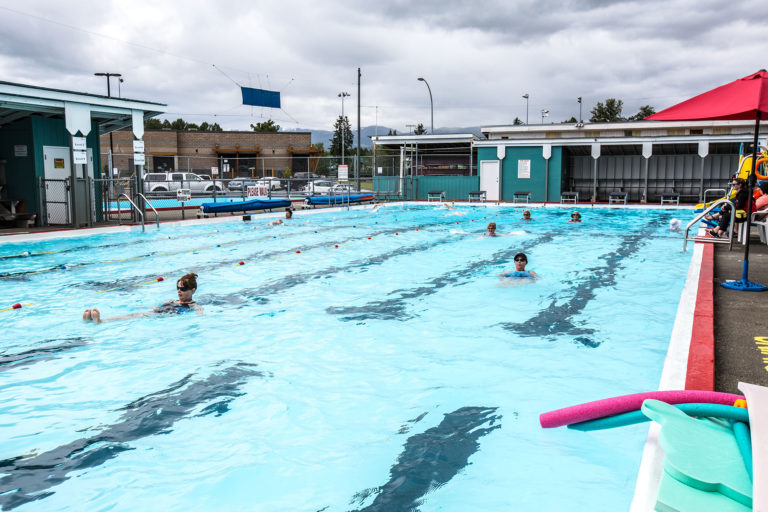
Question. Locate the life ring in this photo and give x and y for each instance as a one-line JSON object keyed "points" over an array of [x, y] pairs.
{"points": [[757, 166]]}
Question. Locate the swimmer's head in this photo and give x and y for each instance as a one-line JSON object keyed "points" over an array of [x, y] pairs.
{"points": [[492, 228], [526, 214], [674, 224], [576, 215], [188, 281]]}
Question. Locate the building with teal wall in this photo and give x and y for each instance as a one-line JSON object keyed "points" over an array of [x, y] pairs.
{"points": [[49, 141]]}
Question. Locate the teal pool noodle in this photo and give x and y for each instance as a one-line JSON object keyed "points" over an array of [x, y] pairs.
{"points": [[743, 439], [728, 412]]}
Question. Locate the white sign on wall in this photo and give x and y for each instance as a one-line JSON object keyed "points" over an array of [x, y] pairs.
{"points": [[138, 146], [214, 170], [523, 169], [79, 157], [343, 172], [20, 150], [78, 144], [380, 170]]}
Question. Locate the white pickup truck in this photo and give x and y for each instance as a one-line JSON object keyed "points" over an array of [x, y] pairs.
{"points": [[163, 184]]}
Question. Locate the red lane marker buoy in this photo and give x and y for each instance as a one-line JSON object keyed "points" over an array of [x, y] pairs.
{"points": [[161, 278], [297, 251], [457, 222], [336, 245], [16, 306], [397, 233], [241, 263], [417, 229], [369, 238]]}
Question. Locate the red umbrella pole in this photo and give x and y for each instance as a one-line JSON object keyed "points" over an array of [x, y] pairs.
{"points": [[745, 284]]}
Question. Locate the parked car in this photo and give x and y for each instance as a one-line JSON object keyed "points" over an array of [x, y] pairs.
{"points": [[161, 183], [240, 183], [271, 182], [325, 187]]}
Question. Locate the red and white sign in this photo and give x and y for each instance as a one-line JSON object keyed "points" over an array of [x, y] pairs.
{"points": [[343, 173]]}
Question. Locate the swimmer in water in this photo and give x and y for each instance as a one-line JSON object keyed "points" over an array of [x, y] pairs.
{"points": [[185, 289], [527, 215], [521, 260], [491, 229], [674, 225], [288, 215], [575, 217]]}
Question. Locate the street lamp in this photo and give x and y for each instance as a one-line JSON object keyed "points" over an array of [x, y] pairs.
{"points": [[431, 105], [119, 94], [109, 94], [544, 113], [526, 96], [342, 95], [579, 100]]}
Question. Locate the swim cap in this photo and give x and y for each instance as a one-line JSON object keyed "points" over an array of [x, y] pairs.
{"points": [[674, 223]]}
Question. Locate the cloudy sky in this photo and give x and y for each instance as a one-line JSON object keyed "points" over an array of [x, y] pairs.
{"points": [[478, 57]]}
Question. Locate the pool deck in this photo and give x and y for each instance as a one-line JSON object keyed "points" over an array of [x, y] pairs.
{"points": [[741, 319]]}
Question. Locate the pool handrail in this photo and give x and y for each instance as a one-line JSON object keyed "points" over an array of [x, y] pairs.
{"points": [[701, 215], [720, 191], [119, 219], [157, 216]]}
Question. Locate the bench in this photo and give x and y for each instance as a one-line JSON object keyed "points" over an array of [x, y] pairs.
{"points": [[436, 195], [617, 197], [670, 197], [477, 195], [523, 196], [569, 197]]}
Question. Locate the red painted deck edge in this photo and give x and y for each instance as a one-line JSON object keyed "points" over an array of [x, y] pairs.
{"points": [[701, 354]]}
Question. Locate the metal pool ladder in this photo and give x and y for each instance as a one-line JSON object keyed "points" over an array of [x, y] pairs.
{"points": [[138, 210], [711, 240]]}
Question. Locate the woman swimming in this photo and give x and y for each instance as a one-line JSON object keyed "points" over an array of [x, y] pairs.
{"points": [[185, 289]]}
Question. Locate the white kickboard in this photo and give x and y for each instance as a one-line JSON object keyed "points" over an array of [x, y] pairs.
{"points": [[757, 403]]}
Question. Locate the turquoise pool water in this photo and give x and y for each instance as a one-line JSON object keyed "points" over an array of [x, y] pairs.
{"points": [[395, 372]]}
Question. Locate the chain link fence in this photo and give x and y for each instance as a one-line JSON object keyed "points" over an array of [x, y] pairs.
{"points": [[55, 205]]}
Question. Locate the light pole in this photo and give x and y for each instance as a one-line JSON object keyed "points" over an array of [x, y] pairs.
{"points": [[544, 113], [119, 93], [109, 95], [342, 95], [526, 96], [579, 100], [431, 106]]}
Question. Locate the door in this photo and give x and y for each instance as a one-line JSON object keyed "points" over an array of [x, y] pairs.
{"points": [[489, 179], [57, 167]]}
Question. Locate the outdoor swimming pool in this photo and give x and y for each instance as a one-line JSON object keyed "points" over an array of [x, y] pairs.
{"points": [[389, 373]]}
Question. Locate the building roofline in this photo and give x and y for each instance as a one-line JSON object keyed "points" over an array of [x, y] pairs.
{"points": [[629, 125], [4, 85], [626, 141]]}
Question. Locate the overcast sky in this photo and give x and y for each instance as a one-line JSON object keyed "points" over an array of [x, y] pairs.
{"points": [[478, 57]]}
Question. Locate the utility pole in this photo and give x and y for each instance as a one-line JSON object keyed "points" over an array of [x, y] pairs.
{"points": [[109, 95], [357, 167]]}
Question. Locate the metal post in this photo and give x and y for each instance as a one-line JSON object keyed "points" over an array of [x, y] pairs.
{"points": [[579, 100], [431, 106], [645, 186], [526, 96], [357, 162], [342, 95]]}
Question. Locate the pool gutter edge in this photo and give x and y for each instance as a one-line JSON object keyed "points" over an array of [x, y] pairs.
{"points": [[685, 365]]}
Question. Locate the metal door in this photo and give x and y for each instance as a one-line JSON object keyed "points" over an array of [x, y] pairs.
{"points": [[57, 167], [489, 179]]}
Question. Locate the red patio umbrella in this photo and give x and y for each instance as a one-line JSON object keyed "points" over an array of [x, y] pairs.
{"points": [[742, 99]]}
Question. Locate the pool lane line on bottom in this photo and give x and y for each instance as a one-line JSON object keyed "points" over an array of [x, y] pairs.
{"points": [[278, 254]]}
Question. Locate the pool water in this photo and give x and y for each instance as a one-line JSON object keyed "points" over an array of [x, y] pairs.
{"points": [[356, 360]]}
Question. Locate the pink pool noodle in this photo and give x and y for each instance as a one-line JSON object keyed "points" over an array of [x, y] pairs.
{"points": [[628, 403]]}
